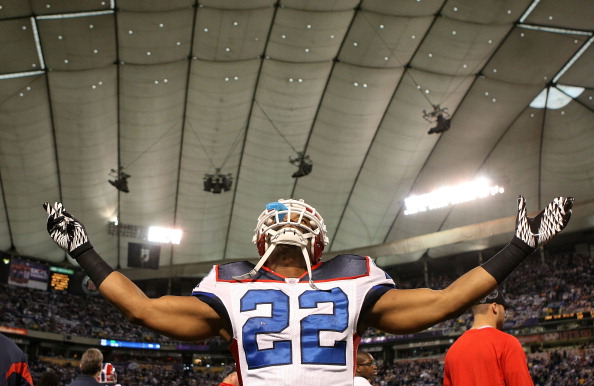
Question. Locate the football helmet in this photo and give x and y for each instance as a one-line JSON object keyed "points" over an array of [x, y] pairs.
{"points": [[289, 222], [108, 374]]}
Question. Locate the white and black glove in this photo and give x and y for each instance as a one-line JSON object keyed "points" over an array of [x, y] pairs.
{"points": [[66, 231], [71, 236], [531, 233], [539, 230]]}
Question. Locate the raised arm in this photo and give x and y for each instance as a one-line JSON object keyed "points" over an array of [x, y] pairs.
{"points": [[407, 311], [180, 317]]}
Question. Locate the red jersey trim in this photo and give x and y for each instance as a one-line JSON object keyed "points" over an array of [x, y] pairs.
{"points": [[21, 368]]}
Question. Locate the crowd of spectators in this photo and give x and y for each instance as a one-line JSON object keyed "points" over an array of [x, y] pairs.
{"points": [[132, 374], [561, 367], [560, 283], [64, 313]]}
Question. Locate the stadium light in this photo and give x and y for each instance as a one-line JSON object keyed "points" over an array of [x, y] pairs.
{"points": [[451, 195], [164, 235]]}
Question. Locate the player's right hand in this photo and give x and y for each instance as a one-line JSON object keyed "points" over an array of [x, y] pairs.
{"points": [[538, 230], [66, 231]]}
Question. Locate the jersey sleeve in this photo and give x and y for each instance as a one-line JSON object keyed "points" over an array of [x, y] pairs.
{"points": [[206, 291]]}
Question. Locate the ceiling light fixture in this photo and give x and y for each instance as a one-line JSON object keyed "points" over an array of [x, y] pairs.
{"points": [[121, 179], [217, 182], [164, 235], [303, 163], [451, 195], [440, 117]]}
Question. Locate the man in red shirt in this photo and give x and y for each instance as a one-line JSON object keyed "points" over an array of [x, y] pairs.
{"points": [[485, 355]]}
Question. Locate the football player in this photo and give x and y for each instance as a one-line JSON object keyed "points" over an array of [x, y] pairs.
{"points": [[292, 318]]}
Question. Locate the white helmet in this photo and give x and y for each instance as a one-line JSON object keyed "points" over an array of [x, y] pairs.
{"points": [[272, 230]]}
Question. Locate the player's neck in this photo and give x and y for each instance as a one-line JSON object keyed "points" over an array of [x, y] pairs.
{"points": [[287, 261]]}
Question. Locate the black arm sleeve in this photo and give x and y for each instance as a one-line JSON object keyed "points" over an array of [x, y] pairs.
{"points": [[506, 260], [94, 266]]}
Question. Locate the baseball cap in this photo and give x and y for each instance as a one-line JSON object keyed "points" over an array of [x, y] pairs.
{"points": [[496, 297]]}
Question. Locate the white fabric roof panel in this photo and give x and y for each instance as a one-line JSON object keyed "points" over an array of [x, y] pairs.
{"points": [[28, 166], [339, 138], [397, 155], [486, 11], [458, 48], [156, 5], [377, 40], [14, 9], [532, 61], [151, 38], [403, 7], [58, 7], [217, 116], [71, 44], [85, 128], [280, 121], [580, 73], [305, 36], [573, 14], [18, 51], [175, 90], [224, 35]]}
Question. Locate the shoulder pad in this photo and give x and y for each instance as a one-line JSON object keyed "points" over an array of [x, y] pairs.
{"points": [[225, 272], [343, 267]]}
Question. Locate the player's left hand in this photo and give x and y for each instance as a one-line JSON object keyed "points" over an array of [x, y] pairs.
{"points": [[66, 231], [539, 230]]}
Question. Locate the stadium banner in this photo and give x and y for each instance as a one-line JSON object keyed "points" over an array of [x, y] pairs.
{"points": [[144, 255], [25, 273]]}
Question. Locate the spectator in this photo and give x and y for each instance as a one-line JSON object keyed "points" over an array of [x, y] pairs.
{"points": [[108, 375], [230, 380], [484, 355], [14, 367], [90, 367], [366, 369]]}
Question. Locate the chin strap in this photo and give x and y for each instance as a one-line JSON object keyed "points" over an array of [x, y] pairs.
{"points": [[287, 236]]}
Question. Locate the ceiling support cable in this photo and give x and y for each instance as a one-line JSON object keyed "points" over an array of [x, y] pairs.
{"points": [[305, 146], [540, 146], [247, 125], [183, 132], [406, 70], [119, 127], [51, 113], [477, 76]]}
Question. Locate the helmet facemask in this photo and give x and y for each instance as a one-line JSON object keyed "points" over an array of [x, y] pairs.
{"points": [[289, 222]]}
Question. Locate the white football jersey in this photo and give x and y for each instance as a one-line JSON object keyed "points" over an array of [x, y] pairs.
{"points": [[285, 332]]}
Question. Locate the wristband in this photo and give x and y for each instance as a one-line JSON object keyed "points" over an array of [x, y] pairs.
{"points": [[94, 266], [75, 253], [506, 260]]}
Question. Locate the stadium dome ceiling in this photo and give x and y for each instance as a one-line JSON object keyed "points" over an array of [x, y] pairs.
{"points": [[173, 90]]}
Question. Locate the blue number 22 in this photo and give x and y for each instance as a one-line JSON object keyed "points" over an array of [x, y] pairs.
{"points": [[281, 352]]}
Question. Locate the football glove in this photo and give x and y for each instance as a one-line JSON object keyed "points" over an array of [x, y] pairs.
{"points": [[538, 230], [66, 231]]}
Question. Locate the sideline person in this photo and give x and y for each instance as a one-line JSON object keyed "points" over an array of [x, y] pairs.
{"points": [[485, 355], [366, 369]]}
